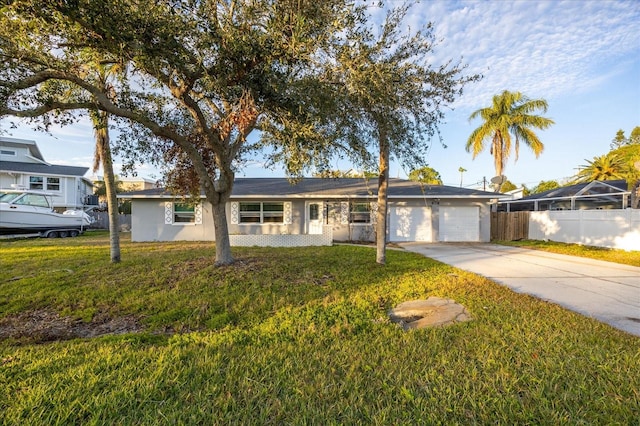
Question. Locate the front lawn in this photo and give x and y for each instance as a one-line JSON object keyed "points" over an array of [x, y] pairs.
{"points": [[289, 336], [600, 253]]}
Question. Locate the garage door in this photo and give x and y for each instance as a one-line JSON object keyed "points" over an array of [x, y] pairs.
{"points": [[459, 223], [410, 224]]}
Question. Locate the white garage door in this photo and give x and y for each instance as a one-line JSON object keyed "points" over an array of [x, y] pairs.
{"points": [[459, 223], [410, 224]]}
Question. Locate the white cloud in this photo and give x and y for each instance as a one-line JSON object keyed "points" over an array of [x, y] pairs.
{"points": [[541, 48]]}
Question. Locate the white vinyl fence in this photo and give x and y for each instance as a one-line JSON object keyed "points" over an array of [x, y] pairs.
{"points": [[618, 229]]}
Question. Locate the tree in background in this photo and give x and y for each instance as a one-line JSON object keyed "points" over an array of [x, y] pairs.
{"points": [[507, 186], [509, 116], [605, 167], [622, 162], [204, 76], [461, 170], [426, 175], [621, 140], [545, 185], [634, 139]]}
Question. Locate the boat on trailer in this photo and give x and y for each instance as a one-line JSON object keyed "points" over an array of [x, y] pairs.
{"points": [[31, 212]]}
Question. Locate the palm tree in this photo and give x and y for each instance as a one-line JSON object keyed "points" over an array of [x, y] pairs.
{"points": [[510, 116], [461, 170], [100, 120], [605, 167]]}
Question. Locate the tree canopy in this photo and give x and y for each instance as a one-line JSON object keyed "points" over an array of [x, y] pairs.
{"points": [[201, 77], [426, 175], [545, 185], [391, 98]]}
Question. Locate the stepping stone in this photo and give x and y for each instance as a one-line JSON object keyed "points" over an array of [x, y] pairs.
{"points": [[433, 312]]}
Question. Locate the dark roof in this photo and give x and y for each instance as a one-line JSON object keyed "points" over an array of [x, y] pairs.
{"points": [[331, 187], [50, 169], [587, 188]]}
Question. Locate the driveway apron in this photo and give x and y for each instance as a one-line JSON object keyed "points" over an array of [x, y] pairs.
{"points": [[608, 292]]}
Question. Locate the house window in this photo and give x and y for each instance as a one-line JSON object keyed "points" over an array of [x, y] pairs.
{"points": [[184, 213], [36, 182], [314, 211], [53, 184], [261, 212], [360, 213], [7, 152]]}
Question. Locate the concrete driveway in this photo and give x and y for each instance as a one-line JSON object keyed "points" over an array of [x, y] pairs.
{"points": [[607, 291]]}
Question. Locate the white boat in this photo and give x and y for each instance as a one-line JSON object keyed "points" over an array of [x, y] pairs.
{"points": [[31, 212]]}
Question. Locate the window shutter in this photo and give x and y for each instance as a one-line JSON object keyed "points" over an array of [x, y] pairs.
{"points": [[235, 207], [198, 214], [344, 212], [374, 212], [288, 220], [168, 212]]}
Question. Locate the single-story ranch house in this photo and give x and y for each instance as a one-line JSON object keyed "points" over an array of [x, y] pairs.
{"points": [[316, 211]]}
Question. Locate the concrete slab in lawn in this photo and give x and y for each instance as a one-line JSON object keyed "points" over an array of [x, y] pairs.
{"points": [[609, 292]]}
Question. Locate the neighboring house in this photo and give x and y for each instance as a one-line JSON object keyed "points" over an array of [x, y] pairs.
{"points": [[125, 184], [596, 195], [129, 183], [273, 211], [22, 166]]}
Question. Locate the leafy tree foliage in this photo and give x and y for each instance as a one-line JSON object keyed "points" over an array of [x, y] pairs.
{"points": [[545, 185], [622, 162], [426, 175], [605, 167], [620, 140], [511, 116], [203, 75], [508, 186], [634, 139], [391, 97]]}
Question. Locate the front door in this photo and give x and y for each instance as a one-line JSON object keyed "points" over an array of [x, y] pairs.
{"points": [[314, 217]]}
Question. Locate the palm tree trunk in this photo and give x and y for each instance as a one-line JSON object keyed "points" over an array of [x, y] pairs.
{"points": [[103, 145], [383, 184]]}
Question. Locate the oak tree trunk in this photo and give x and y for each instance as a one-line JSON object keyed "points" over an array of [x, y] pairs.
{"points": [[383, 184]]}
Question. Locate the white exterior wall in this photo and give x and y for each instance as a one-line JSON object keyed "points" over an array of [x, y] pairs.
{"points": [[148, 223], [22, 155], [602, 228]]}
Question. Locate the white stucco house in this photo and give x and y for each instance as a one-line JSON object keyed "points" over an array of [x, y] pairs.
{"points": [[22, 166], [317, 211]]}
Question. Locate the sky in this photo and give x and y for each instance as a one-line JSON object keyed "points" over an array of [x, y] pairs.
{"points": [[582, 57]]}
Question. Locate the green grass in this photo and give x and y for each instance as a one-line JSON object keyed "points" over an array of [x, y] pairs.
{"points": [[601, 253], [296, 336]]}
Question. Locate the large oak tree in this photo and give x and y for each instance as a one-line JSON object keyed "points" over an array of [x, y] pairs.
{"points": [[202, 76]]}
